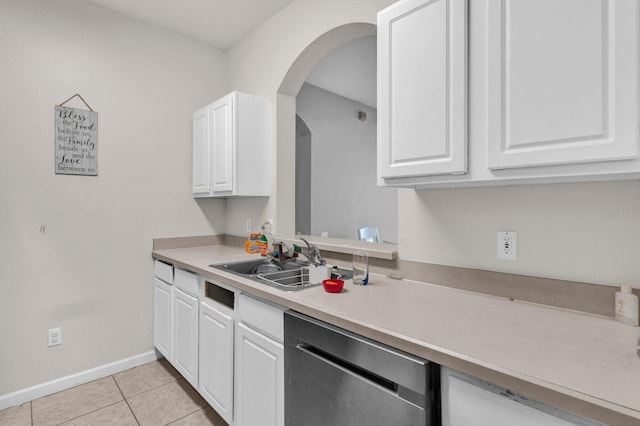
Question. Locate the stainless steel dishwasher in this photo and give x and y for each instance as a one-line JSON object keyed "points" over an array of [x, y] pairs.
{"points": [[337, 378]]}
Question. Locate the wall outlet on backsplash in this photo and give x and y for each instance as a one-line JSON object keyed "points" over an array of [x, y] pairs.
{"points": [[55, 336], [507, 245]]}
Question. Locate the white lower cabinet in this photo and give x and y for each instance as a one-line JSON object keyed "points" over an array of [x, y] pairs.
{"points": [[185, 331], [228, 346], [259, 379], [216, 359], [163, 318], [259, 368], [467, 401]]}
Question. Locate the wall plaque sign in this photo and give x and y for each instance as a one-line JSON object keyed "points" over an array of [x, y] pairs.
{"points": [[76, 141]]}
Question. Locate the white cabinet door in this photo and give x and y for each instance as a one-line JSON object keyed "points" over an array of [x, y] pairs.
{"points": [[422, 88], [185, 354], [231, 147], [201, 155], [259, 379], [163, 318], [562, 82], [222, 136], [216, 360], [467, 401]]}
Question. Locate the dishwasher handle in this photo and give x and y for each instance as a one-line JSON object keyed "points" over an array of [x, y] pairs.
{"points": [[354, 369], [392, 387], [409, 373]]}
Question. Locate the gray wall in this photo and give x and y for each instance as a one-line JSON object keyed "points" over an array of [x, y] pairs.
{"points": [[303, 177]]}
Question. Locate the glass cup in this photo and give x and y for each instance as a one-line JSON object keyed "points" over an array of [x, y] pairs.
{"points": [[360, 267]]}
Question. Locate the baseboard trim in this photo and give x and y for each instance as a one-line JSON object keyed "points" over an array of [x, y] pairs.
{"points": [[57, 385]]}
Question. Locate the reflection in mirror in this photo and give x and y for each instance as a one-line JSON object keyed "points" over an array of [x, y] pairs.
{"points": [[336, 178]]}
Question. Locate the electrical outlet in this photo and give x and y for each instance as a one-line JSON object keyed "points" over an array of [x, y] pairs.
{"points": [[248, 227], [507, 245], [55, 336]]}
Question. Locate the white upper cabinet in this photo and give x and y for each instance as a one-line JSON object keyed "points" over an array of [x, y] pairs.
{"points": [[222, 144], [562, 82], [551, 88], [231, 147], [422, 97], [201, 181]]}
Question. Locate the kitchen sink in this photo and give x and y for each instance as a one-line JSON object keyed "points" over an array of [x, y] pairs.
{"points": [[248, 267], [291, 275]]}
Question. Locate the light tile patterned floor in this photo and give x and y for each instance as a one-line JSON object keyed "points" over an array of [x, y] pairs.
{"points": [[152, 394]]}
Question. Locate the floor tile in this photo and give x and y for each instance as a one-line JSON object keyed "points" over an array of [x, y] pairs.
{"points": [[145, 377], [117, 414], [166, 403], [16, 416], [75, 402], [205, 417]]}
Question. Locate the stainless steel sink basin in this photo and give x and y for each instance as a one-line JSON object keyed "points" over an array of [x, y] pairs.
{"points": [[289, 276], [248, 267]]}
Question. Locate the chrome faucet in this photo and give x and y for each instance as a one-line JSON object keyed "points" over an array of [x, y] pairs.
{"points": [[313, 254], [281, 257]]}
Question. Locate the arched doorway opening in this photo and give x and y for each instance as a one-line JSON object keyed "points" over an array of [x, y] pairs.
{"points": [[286, 114]]}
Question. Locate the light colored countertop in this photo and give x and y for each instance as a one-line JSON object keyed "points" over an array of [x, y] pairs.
{"points": [[589, 358]]}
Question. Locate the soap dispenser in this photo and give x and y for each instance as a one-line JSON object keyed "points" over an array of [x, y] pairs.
{"points": [[627, 306]]}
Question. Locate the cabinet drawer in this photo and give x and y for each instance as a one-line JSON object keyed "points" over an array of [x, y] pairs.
{"points": [[186, 281], [164, 271], [262, 316]]}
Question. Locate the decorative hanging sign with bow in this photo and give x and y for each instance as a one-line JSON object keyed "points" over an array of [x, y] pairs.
{"points": [[76, 140]]}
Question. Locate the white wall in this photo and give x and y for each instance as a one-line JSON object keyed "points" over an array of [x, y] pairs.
{"points": [[580, 231], [562, 230], [90, 269], [345, 196]]}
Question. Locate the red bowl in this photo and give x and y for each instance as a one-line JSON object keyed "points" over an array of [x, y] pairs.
{"points": [[333, 285]]}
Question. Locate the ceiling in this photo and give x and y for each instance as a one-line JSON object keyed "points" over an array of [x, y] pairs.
{"points": [[219, 23], [349, 71]]}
